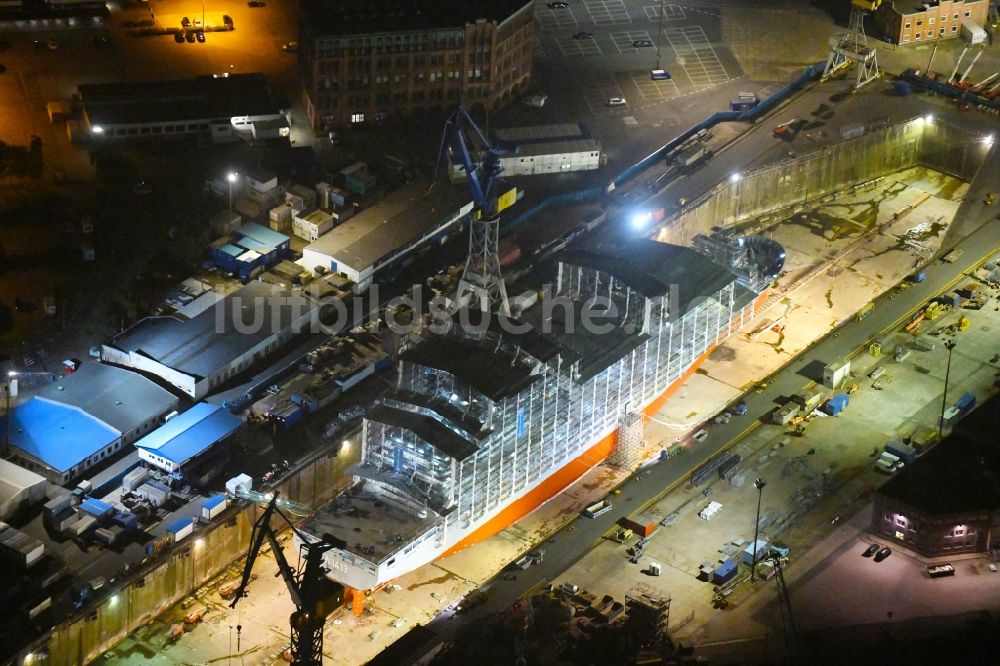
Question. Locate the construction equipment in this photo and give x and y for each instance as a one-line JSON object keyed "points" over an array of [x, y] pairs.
{"points": [[913, 328], [934, 310], [313, 594], [963, 323], [961, 81], [852, 46], [958, 63], [481, 279]]}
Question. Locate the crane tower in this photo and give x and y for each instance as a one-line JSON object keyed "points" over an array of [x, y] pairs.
{"points": [[481, 280], [852, 46]]}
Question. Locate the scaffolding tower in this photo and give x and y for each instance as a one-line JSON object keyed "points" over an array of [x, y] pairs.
{"points": [[482, 282], [648, 613], [853, 46], [628, 442]]}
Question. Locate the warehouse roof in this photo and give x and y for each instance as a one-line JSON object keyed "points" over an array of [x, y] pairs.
{"points": [[119, 398], [185, 436], [198, 347], [961, 474], [265, 237], [200, 98], [15, 479], [558, 147], [58, 435], [396, 221], [426, 428], [653, 268], [540, 133], [352, 17]]}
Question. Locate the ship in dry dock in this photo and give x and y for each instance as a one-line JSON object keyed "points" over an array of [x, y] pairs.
{"points": [[485, 424]]}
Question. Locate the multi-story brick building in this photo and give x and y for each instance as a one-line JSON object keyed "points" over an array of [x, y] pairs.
{"points": [[915, 21], [373, 60]]}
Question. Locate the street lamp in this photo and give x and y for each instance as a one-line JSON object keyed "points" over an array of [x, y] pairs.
{"points": [[759, 485], [231, 177], [949, 345], [9, 387]]}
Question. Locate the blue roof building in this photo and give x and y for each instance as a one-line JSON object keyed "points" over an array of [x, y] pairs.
{"points": [[187, 436], [60, 441]]}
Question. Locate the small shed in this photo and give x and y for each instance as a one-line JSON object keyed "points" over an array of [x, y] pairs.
{"points": [[725, 572]]}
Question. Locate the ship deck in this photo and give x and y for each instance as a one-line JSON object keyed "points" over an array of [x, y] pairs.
{"points": [[373, 526]]}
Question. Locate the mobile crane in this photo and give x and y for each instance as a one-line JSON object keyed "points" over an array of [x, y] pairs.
{"points": [[313, 594]]}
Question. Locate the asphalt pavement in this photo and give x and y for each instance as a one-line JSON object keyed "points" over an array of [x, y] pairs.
{"points": [[576, 538]]}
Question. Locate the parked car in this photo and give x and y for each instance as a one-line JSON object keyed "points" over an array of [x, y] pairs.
{"points": [[583, 35], [558, 4], [883, 553], [290, 47], [189, 37], [200, 36], [179, 37], [255, 3], [870, 550], [642, 43], [617, 101]]}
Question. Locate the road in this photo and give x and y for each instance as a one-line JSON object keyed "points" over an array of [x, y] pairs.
{"points": [[575, 539]]}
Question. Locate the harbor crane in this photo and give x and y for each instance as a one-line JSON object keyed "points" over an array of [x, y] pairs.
{"points": [[852, 46], [481, 279], [313, 594]]}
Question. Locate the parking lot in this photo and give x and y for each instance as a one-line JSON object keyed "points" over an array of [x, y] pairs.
{"points": [[597, 39]]}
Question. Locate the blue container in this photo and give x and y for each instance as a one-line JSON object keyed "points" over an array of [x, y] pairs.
{"points": [[836, 404], [965, 403], [726, 572]]}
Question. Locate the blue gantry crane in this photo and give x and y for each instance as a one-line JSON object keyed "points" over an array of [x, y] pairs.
{"points": [[481, 279]]}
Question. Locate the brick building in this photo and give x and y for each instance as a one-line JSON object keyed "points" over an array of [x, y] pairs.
{"points": [[948, 501], [915, 21], [364, 61]]}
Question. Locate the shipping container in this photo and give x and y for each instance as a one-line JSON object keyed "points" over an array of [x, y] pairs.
{"points": [[182, 528], [104, 536], [747, 554], [134, 479], [155, 492], [904, 451], [213, 506], [83, 524], [836, 404], [18, 548], [96, 508], [725, 572], [643, 530]]}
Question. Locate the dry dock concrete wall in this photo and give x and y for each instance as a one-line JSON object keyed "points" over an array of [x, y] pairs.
{"points": [[793, 183]]}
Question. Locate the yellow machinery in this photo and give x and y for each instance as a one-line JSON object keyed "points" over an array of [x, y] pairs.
{"points": [[933, 310], [867, 5], [875, 348], [963, 323]]}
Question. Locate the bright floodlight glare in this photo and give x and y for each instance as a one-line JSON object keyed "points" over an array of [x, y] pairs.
{"points": [[988, 140], [114, 600], [231, 176], [639, 220], [735, 177], [929, 118], [97, 129]]}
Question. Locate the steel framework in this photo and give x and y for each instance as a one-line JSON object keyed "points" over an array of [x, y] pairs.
{"points": [[853, 46]]}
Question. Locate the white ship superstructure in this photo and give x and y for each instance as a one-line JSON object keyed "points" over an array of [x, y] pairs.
{"points": [[486, 424]]}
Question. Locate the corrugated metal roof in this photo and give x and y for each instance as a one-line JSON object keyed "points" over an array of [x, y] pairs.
{"points": [[119, 398], [263, 235], [189, 434], [534, 133], [59, 435]]}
